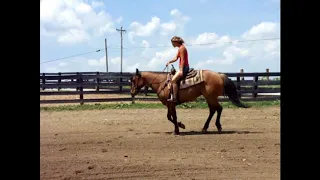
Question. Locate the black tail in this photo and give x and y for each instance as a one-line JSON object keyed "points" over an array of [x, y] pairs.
{"points": [[231, 90]]}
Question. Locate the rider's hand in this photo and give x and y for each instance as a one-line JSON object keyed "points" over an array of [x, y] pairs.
{"points": [[167, 63]]}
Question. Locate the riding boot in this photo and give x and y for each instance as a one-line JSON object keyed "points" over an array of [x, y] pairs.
{"points": [[174, 89]]}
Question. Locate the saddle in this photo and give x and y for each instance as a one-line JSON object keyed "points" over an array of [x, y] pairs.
{"points": [[190, 74], [190, 78]]}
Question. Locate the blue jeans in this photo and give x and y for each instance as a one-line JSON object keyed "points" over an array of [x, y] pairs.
{"points": [[185, 71]]}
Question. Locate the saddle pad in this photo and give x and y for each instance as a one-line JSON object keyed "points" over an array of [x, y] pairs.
{"points": [[198, 78]]}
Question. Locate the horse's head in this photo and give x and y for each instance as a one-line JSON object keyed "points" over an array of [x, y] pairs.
{"points": [[136, 83]]}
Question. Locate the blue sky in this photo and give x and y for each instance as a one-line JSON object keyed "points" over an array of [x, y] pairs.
{"points": [[69, 28]]}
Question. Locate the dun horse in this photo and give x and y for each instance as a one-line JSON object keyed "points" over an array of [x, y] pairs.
{"points": [[196, 83]]}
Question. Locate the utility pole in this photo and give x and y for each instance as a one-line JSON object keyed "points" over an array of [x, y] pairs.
{"points": [[121, 31], [105, 45]]}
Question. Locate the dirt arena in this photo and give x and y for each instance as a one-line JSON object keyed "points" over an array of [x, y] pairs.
{"points": [[138, 144]]}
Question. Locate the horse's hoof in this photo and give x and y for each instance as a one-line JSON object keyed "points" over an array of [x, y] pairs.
{"points": [[176, 133], [204, 131], [181, 125], [219, 129]]}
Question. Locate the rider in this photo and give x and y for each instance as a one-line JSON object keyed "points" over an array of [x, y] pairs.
{"points": [[183, 64]]}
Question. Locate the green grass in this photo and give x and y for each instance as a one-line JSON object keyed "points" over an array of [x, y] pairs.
{"points": [[191, 105], [265, 86]]}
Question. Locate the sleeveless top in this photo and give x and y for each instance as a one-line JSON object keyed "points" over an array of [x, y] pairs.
{"points": [[186, 62]]}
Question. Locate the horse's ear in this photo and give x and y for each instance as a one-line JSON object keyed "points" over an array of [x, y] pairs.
{"points": [[137, 71]]}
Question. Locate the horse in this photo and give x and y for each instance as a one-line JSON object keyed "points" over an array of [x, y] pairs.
{"points": [[195, 83]]}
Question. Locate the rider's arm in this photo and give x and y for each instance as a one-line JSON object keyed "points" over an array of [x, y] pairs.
{"points": [[175, 58]]}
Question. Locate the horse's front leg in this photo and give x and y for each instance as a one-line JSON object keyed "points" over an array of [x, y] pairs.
{"points": [[173, 113], [169, 116]]}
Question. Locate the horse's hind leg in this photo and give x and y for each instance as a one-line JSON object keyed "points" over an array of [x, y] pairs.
{"points": [[213, 107], [212, 111], [219, 111]]}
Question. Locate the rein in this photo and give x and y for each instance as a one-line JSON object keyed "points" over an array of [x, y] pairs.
{"points": [[157, 76], [161, 89]]}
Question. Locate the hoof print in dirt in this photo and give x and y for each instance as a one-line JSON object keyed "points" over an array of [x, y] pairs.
{"points": [[91, 167], [104, 150], [78, 171]]}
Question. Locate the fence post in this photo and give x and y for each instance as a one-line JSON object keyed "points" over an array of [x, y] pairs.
{"points": [[120, 87], [242, 77], [59, 81], [78, 80], [238, 86], [255, 87], [98, 81], [81, 89], [43, 79], [267, 71]]}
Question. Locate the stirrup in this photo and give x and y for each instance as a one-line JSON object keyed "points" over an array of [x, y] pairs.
{"points": [[172, 100]]}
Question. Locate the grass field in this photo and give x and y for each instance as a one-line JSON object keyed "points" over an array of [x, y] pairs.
{"points": [[192, 105]]}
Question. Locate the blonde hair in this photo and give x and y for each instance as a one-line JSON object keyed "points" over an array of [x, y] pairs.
{"points": [[177, 39]]}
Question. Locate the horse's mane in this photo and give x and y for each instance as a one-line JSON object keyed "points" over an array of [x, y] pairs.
{"points": [[154, 72]]}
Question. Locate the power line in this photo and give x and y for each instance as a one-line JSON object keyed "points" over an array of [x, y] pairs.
{"points": [[71, 56], [200, 44]]}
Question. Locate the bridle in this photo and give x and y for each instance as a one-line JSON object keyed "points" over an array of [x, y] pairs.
{"points": [[136, 84]]}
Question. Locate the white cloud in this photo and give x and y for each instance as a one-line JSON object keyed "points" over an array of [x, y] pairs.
{"points": [[161, 58], [116, 60], [267, 49], [232, 52], [143, 30], [73, 36], [78, 21], [175, 12], [176, 25], [97, 4], [255, 51], [114, 64], [146, 46], [180, 20], [229, 55], [95, 62], [51, 70], [119, 19], [211, 40], [263, 30], [102, 61], [167, 28], [83, 8], [73, 21], [63, 64]]}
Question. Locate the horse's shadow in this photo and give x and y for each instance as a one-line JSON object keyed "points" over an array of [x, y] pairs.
{"points": [[187, 133]]}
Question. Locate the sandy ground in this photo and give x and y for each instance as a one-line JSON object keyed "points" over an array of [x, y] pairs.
{"points": [[138, 144]]}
